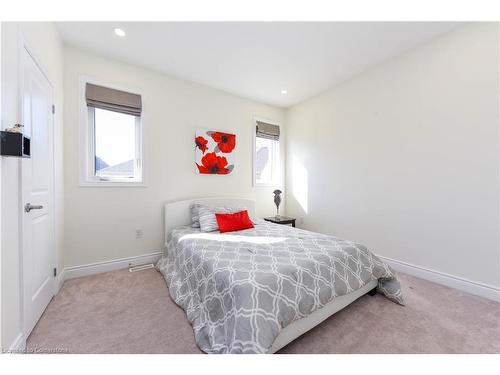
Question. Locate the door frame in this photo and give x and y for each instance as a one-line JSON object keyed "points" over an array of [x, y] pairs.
{"points": [[24, 46]]}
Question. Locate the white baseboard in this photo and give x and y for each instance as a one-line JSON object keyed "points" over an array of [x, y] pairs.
{"points": [[483, 290], [106, 266], [479, 289]]}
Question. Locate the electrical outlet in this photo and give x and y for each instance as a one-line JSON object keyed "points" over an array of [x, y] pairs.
{"points": [[138, 233], [301, 220]]}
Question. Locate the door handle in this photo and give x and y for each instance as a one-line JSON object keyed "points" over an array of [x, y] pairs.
{"points": [[28, 207]]}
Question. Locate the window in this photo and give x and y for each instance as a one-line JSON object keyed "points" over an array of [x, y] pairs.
{"points": [[113, 137], [266, 154]]}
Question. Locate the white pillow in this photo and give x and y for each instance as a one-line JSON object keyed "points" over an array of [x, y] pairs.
{"points": [[208, 222]]}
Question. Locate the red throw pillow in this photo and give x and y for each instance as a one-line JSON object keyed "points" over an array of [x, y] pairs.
{"points": [[233, 222]]}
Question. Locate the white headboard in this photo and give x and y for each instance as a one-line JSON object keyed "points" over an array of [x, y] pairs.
{"points": [[178, 213]]}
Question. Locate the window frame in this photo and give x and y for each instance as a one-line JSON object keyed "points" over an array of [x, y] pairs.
{"points": [[278, 178], [87, 142]]}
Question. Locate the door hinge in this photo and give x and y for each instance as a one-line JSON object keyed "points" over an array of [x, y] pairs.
{"points": [[53, 109], [55, 272]]}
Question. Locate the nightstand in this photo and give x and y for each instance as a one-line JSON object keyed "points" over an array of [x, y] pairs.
{"points": [[281, 220]]}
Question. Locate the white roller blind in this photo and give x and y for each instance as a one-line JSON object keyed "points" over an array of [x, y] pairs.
{"points": [[268, 131], [113, 100]]}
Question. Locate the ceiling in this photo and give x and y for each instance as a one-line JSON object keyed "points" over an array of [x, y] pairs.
{"points": [[256, 60]]}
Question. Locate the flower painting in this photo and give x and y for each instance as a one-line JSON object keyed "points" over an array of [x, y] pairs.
{"points": [[214, 152]]}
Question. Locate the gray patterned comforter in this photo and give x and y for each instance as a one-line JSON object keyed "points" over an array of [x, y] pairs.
{"points": [[240, 289]]}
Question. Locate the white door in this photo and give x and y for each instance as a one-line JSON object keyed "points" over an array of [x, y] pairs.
{"points": [[37, 193]]}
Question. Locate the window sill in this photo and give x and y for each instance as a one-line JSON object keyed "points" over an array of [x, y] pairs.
{"points": [[264, 185], [112, 184]]}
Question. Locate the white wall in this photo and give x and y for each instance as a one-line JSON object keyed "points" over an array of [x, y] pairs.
{"points": [[1, 117], [101, 221], [46, 47], [405, 157]]}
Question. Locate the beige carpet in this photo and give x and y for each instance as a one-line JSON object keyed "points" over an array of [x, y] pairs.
{"points": [[123, 312]]}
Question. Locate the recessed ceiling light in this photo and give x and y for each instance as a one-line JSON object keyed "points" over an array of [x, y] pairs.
{"points": [[284, 92], [119, 32]]}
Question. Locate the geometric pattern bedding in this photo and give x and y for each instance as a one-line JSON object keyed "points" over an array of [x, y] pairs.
{"points": [[240, 289]]}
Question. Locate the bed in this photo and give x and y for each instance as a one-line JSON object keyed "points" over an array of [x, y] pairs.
{"points": [[256, 290]]}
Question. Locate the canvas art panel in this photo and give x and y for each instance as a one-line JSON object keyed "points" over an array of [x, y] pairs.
{"points": [[214, 152]]}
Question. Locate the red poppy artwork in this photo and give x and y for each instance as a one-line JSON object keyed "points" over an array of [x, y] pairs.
{"points": [[213, 164], [214, 152], [225, 142], [201, 143]]}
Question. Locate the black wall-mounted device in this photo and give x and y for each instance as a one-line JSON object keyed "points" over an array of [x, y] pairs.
{"points": [[15, 144]]}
